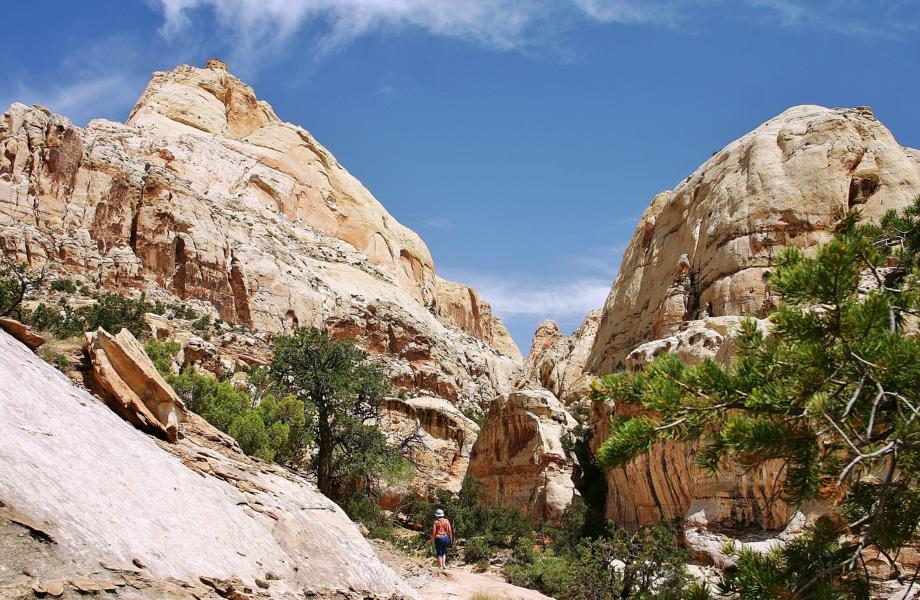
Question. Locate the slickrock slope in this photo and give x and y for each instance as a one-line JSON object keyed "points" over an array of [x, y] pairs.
{"points": [[206, 196], [557, 362], [115, 508], [439, 439], [705, 247], [519, 456]]}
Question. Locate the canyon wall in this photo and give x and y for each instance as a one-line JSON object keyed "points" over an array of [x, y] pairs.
{"points": [[700, 258], [705, 248]]}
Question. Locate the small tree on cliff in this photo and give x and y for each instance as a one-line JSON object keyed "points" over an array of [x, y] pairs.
{"points": [[834, 392], [343, 393]]}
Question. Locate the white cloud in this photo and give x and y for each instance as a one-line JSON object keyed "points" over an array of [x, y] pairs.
{"points": [[80, 99], [517, 295], [258, 26]]}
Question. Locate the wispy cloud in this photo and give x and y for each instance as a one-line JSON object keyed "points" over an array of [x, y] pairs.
{"points": [[102, 79], [436, 223], [259, 26], [520, 295]]}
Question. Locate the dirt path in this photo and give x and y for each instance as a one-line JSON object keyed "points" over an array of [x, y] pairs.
{"points": [[456, 583]]}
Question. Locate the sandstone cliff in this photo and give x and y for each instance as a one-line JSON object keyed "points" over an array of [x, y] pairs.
{"points": [[519, 457], [438, 439], [700, 258], [205, 195], [110, 508], [704, 249]]}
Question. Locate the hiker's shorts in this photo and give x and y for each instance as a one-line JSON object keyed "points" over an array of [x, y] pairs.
{"points": [[440, 545]]}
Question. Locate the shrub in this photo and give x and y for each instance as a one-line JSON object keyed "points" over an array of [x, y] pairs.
{"points": [[477, 549], [162, 354], [113, 312], [63, 285], [62, 321]]}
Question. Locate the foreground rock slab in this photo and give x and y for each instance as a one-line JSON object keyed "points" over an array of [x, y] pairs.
{"points": [[125, 377], [105, 491]]}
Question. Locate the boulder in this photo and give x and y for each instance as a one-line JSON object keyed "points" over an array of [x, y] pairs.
{"points": [[519, 458], [193, 519], [713, 338], [439, 439], [22, 332], [125, 377]]}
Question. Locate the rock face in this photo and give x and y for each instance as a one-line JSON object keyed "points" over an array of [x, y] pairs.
{"points": [[519, 458], [440, 441], [124, 376], [557, 362], [666, 485], [187, 515], [705, 248], [700, 258], [204, 195]]}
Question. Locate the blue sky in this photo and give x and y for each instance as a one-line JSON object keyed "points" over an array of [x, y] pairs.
{"points": [[521, 138]]}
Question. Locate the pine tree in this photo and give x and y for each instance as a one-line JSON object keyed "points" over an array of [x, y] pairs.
{"points": [[833, 390]]}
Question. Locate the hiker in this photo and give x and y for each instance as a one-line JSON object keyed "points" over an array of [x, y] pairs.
{"points": [[442, 534]]}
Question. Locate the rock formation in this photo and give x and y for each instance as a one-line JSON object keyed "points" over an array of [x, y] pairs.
{"points": [[110, 508], [700, 259], [438, 438], [124, 376], [204, 195], [712, 338], [557, 362], [519, 458], [22, 332], [705, 248], [666, 485]]}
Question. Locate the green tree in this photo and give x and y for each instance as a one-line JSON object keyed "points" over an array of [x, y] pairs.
{"points": [[16, 282], [833, 391], [344, 392]]}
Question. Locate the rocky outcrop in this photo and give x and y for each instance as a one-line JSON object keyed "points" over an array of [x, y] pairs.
{"points": [[438, 439], [705, 248], [124, 376], [120, 510], [205, 196], [519, 458], [557, 362], [22, 332], [460, 305], [711, 338]]}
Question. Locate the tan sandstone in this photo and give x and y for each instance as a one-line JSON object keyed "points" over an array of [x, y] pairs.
{"points": [[125, 377], [705, 248], [439, 439], [557, 362], [22, 332], [700, 259], [519, 458], [205, 196]]}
